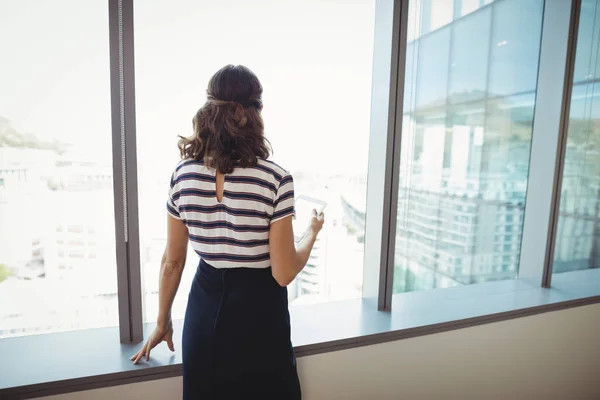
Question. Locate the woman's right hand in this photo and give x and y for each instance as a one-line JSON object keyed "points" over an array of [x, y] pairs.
{"points": [[162, 333], [316, 222]]}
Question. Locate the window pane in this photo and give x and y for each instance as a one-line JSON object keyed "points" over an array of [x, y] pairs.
{"points": [[578, 232], [515, 46], [429, 15], [314, 59], [57, 240], [432, 69], [469, 55], [438, 13], [468, 6], [586, 67], [465, 155]]}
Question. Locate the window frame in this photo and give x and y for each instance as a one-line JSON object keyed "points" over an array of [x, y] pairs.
{"points": [[550, 130], [127, 235], [387, 99], [558, 37], [555, 70]]}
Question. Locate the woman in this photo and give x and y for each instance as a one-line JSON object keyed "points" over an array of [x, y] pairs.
{"points": [[236, 209]]}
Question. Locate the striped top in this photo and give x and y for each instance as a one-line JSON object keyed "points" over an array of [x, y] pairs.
{"points": [[232, 233]]}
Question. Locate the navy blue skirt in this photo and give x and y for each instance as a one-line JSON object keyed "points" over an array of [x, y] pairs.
{"points": [[236, 337]]}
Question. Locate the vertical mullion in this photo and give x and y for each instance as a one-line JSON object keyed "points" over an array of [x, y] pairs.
{"points": [[401, 43], [125, 169], [562, 141], [551, 115], [389, 57]]}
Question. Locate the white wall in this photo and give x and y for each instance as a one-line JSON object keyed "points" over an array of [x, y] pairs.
{"points": [[548, 356]]}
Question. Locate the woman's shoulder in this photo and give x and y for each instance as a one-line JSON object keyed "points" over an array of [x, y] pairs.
{"points": [[189, 165], [272, 167]]}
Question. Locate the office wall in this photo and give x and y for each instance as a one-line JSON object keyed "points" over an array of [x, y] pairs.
{"points": [[548, 356]]}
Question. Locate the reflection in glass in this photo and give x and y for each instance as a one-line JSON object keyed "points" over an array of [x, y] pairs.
{"points": [[409, 77], [586, 67], [429, 15], [468, 6], [465, 153], [469, 55], [515, 46], [578, 233], [436, 14], [432, 72]]}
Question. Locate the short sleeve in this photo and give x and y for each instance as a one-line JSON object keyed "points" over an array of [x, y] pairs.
{"points": [[284, 200], [173, 199]]}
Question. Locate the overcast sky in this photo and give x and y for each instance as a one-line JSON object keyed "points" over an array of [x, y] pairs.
{"points": [[314, 59]]}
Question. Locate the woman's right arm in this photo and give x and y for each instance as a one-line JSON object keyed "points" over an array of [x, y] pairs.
{"points": [[286, 260]]}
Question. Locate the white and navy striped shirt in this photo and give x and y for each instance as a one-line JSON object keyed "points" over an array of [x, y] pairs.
{"points": [[232, 233]]}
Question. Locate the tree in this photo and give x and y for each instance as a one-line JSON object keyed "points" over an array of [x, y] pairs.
{"points": [[10, 137], [4, 272]]}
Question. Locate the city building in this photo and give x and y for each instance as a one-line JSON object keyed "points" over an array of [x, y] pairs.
{"points": [[66, 265]]}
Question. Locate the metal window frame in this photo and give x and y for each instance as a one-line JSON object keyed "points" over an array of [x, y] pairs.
{"points": [[122, 77], [389, 61], [562, 145], [550, 128], [557, 55]]}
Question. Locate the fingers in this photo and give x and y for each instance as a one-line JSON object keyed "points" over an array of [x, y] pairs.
{"points": [[144, 352], [147, 352], [150, 344], [138, 356], [320, 216], [169, 339]]}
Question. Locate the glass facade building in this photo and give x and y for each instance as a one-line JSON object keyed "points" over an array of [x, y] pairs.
{"points": [[470, 91]]}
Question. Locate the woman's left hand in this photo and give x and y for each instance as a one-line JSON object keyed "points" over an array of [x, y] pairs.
{"points": [[161, 333]]}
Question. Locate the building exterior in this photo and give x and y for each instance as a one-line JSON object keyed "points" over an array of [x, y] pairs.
{"points": [[578, 231], [471, 77], [466, 136], [57, 239]]}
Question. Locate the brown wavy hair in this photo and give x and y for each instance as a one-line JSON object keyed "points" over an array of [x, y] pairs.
{"points": [[229, 129]]}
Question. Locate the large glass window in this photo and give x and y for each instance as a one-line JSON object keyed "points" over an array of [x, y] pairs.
{"points": [[578, 232], [57, 240], [314, 59], [466, 138]]}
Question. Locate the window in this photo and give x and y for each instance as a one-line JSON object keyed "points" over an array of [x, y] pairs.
{"points": [[466, 139], [55, 136], [467, 120], [578, 233], [323, 50]]}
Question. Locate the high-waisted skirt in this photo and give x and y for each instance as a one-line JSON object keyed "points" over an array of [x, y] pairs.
{"points": [[236, 337]]}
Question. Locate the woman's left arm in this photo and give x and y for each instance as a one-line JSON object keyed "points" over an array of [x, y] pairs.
{"points": [[171, 269]]}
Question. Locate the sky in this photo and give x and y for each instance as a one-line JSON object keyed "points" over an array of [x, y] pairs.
{"points": [[314, 59], [54, 79]]}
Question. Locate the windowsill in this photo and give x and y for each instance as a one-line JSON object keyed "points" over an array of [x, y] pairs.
{"points": [[48, 364]]}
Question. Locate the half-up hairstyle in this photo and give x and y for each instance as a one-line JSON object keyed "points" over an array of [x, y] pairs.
{"points": [[228, 129]]}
